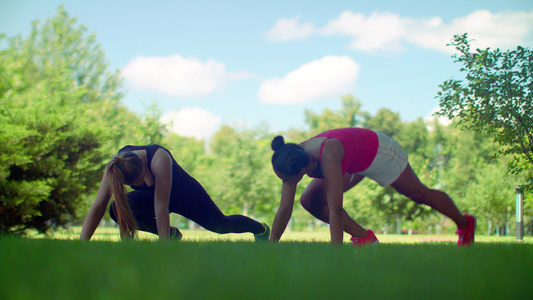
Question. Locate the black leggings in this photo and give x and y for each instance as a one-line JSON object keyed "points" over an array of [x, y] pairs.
{"points": [[193, 203]]}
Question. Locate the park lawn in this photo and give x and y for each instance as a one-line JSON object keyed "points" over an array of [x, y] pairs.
{"points": [[322, 235], [223, 267]]}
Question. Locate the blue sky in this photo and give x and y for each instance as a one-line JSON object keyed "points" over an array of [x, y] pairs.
{"points": [[208, 63]]}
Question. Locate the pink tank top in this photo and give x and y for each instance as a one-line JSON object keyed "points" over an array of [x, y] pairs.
{"points": [[360, 147]]}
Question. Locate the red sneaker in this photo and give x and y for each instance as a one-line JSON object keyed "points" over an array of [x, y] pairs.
{"points": [[467, 234], [371, 239]]}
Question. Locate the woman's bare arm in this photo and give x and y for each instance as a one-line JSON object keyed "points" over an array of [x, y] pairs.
{"points": [[162, 172], [331, 164], [97, 210], [283, 215]]}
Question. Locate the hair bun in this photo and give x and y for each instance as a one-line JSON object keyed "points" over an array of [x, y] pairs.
{"points": [[294, 164], [277, 143]]}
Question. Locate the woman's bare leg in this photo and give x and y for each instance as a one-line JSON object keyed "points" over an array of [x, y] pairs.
{"points": [[409, 185], [314, 200]]}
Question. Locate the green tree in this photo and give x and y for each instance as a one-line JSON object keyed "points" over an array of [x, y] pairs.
{"points": [[386, 121], [492, 197], [188, 152], [350, 115], [59, 112], [468, 152], [240, 177], [495, 97], [153, 130]]}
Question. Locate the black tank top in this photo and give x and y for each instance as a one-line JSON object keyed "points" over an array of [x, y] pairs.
{"points": [[150, 152], [184, 186]]}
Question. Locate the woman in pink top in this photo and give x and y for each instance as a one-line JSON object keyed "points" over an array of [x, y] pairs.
{"points": [[338, 160]]}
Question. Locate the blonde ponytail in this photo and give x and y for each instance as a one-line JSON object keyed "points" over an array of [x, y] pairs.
{"points": [[123, 169]]}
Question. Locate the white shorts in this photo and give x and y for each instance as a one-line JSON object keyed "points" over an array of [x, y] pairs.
{"points": [[389, 163]]}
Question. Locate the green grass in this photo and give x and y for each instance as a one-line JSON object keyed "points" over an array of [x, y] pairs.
{"points": [[305, 266], [322, 235]]}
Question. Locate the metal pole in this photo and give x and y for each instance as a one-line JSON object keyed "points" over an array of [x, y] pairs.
{"points": [[519, 214]]}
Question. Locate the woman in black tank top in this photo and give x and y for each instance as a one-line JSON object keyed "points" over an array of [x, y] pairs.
{"points": [[160, 186]]}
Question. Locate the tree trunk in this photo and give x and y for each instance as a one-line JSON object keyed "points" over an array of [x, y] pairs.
{"points": [[245, 208], [398, 223], [507, 228]]}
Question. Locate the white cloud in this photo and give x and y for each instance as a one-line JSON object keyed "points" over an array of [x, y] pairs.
{"points": [[330, 76], [178, 76], [502, 30], [376, 32], [287, 29], [193, 122], [392, 33], [431, 117]]}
